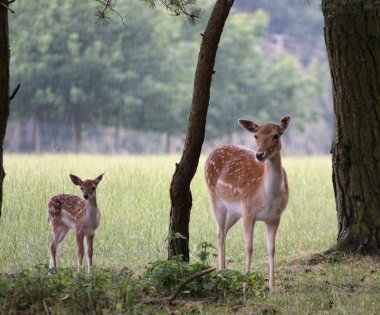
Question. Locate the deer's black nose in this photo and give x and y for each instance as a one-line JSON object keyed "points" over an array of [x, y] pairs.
{"points": [[260, 156], [86, 196]]}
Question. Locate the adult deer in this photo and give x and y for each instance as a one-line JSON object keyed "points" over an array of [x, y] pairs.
{"points": [[67, 212], [252, 185]]}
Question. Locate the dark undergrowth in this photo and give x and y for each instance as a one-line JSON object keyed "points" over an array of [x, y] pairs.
{"points": [[340, 284], [42, 290]]}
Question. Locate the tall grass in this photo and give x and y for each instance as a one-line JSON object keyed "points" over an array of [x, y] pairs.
{"points": [[134, 202]]}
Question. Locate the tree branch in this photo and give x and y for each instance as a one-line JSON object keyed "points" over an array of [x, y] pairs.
{"points": [[182, 7], [8, 8], [175, 7], [187, 281], [14, 92], [104, 7], [11, 1]]}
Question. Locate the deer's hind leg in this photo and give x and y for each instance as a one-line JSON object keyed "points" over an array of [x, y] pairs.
{"points": [[58, 235], [225, 220]]}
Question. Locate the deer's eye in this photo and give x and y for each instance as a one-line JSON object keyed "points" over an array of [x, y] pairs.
{"points": [[93, 188], [81, 188], [276, 137]]}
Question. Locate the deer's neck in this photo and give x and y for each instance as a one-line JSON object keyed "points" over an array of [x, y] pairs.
{"points": [[91, 205], [274, 177]]}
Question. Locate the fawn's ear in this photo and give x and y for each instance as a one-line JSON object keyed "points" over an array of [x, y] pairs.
{"points": [[249, 125], [76, 180], [98, 179], [285, 122]]}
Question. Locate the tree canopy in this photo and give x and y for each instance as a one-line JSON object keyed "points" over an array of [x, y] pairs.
{"points": [[138, 75]]}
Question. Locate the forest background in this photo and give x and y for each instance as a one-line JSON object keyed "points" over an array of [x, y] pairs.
{"points": [[125, 86]]}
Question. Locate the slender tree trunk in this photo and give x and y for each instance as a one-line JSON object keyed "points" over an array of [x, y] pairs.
{"points": [[37, 133], [168, 138], [4, 86], [352, 35], [78, 124], [116, 138], [180, 194]]}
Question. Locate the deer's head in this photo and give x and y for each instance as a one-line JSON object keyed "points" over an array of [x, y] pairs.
{"points": [[88, 186], [268, 137]]}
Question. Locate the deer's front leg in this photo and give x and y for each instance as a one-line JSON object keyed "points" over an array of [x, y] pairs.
{"points": [[90, 250], [80, 245], [271, 244], [248, 225]]}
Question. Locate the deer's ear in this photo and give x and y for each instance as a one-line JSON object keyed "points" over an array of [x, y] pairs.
{"points": [[249, 125], [76, 180], [98, 179], [285, 122]]}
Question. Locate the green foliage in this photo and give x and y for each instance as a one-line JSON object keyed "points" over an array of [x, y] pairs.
{"points": [[41, 288], [301, 20], [139, 75], [104, 290], [251, 83], [204, 252], [163, 276]]}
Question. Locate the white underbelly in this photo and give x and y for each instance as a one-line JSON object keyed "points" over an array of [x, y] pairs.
{"points": [[235, 208], [267, 212]]}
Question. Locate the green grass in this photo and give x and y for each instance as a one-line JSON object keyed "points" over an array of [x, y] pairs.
{"points": [[134, 202]]}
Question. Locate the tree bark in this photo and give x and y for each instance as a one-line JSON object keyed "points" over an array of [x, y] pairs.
{"points": [[4, 86], [180, 193], [352, 35]]}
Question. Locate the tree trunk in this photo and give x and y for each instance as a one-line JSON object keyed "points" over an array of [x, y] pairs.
{"points": [[116, 138], [180, 194], [4, 86], [352, 35], [37, 133], [77, 133], [168, 142]]}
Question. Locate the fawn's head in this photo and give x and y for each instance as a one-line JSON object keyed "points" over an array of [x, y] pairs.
{"points": [[88, 186], [268, 137]]}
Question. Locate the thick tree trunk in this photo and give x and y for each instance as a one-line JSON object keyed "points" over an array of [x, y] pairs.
{"points": [[4, 86], [180, 194], [352, 35]]}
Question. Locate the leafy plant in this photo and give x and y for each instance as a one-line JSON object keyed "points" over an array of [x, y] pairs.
{"points": [[45, 290], [163, 276]]}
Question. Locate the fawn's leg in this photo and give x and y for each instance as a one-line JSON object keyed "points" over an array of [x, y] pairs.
{"points": [[80, 245], [58, 235], [90, 250]]}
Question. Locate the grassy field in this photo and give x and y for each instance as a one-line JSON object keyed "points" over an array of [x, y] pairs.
{"points": [[134, 202]]}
